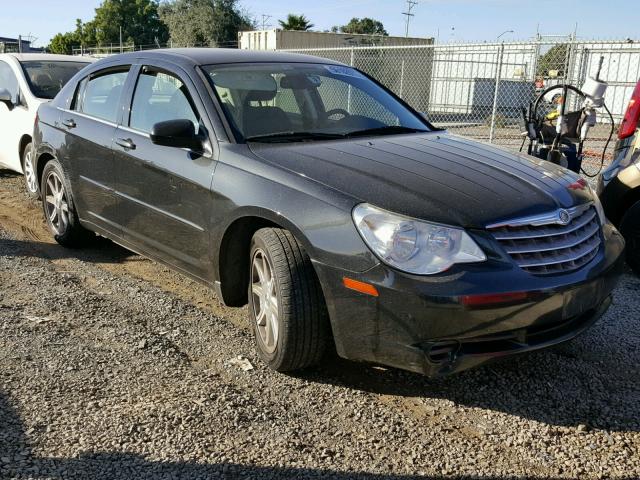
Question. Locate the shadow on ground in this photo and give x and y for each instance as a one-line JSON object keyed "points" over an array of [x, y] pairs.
{"points": [[18, 462], [101, 250], [529, 386], [8, 173]]}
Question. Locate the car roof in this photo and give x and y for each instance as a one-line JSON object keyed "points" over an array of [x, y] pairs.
{"points": [[213, 56], [43, 57]]}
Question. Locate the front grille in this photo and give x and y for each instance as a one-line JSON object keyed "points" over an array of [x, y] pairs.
{"points": [[547, 247]]}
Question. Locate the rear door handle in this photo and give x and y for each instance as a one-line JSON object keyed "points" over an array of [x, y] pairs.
{"points": [[69, 123], [126, 143]]}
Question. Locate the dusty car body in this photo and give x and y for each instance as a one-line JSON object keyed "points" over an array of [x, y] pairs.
{"points": [[509, 254]]}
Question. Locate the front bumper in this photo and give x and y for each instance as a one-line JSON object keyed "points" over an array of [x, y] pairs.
{"points": [[436, 325]]}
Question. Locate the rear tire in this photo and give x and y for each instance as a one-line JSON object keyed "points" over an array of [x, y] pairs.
{"points": [[286, 305], [630, 229], [59, 208], [30, 176]]}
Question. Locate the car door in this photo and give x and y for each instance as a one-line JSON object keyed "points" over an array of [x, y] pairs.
{"points": [[89, 127], [165, 204], [15, 119]]}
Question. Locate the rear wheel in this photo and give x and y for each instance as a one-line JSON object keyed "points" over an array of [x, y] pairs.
{"points": [[630, 228], [59, 209], [30, 178], [286, 305]]}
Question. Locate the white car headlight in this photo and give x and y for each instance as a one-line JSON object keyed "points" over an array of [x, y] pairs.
{"points": [[412, 245]]}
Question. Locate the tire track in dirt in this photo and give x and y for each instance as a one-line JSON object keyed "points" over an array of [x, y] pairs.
{"points": [[23, 217]]}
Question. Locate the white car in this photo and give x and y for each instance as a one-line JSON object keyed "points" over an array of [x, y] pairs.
{"points": [[26, 81]]}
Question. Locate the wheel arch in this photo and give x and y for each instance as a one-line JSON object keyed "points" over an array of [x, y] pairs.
{"points": [[629, 200], [25, 140], [233, 252], [626, 187], [42, 158]]}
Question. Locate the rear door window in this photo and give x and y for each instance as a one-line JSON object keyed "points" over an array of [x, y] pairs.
{"points": [[100, 97]]}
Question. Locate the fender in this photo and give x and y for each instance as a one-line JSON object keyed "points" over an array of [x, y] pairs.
{"points": [[266, 214]]}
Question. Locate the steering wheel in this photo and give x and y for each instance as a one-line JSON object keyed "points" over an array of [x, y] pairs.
{"points": [[337, 111]]}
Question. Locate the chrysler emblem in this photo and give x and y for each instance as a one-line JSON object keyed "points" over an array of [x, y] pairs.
{"points": [[564, 217]]}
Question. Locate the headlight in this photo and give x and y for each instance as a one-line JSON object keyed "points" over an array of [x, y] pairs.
{"points": [[412, 245]]}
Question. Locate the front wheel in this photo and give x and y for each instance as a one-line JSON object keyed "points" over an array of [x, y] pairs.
{"points": [[30, 178], [630, 229], [59, 209], [286, 305]]}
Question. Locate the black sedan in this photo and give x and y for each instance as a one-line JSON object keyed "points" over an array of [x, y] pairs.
{"points": [[306, 189]]}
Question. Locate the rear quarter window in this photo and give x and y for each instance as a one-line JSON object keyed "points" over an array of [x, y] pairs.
{"points": [[99, 95]]}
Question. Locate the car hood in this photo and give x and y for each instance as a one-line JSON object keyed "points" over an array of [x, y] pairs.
{"points": [[433, 176]]}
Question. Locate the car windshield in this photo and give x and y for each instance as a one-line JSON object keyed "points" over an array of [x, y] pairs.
{"points": [[46, 78], [282, 102]]}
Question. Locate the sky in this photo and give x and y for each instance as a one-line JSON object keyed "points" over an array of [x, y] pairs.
{"points": [[448, 20]]}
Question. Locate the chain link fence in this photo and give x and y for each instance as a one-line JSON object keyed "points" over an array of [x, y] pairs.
{"points": [[479, 90], [99, 51]]}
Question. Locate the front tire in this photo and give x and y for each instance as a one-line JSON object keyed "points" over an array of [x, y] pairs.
{"points": [[630, 229], [30, 176], [59, 209], [286, 305]]}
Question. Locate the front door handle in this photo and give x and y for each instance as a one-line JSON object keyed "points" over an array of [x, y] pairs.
{"points": [[69, 123], [126, 143]]}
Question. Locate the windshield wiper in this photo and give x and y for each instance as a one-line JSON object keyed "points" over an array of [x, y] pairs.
{"points": [[305, 136], [386, 130], [294, 137]]}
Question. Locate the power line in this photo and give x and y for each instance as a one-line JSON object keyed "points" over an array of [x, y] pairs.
{"points": [[265, 19], [410, 5]]}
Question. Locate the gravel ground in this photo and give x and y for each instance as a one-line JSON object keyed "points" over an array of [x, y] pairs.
{"points": [[510, 137], [112, 367]]}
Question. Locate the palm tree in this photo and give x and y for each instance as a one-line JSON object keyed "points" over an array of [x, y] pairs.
{"points": [[296, 22]]}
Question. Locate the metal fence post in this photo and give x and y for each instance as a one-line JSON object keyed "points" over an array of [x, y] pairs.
{"points": [[351, 63], [495, 93]]}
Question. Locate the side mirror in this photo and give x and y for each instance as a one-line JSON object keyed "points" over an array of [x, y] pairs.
{"points": [[6, 98], [177, 134]]}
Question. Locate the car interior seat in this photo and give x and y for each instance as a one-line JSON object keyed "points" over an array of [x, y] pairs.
{"points": [[263, 119]]}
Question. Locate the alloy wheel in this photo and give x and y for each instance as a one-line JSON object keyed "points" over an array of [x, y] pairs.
{"points": [[56, 203], [29, 173], [265, 300]]}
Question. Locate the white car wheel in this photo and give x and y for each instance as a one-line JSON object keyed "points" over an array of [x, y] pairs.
{"points": [[30, 178]]}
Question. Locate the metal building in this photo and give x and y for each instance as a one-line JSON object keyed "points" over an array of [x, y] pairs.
{"points": [[277, 39]]}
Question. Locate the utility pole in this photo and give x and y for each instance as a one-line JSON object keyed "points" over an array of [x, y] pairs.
{"points": [[265, 19], [410, 5], [19, 43], [121, 50]]}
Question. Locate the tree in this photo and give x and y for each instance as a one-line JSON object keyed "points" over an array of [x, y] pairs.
{"points": [[62, 43], [366, 25], [296, 22], [553, 59], [83, 35], [138, 20], [204, 22]]}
